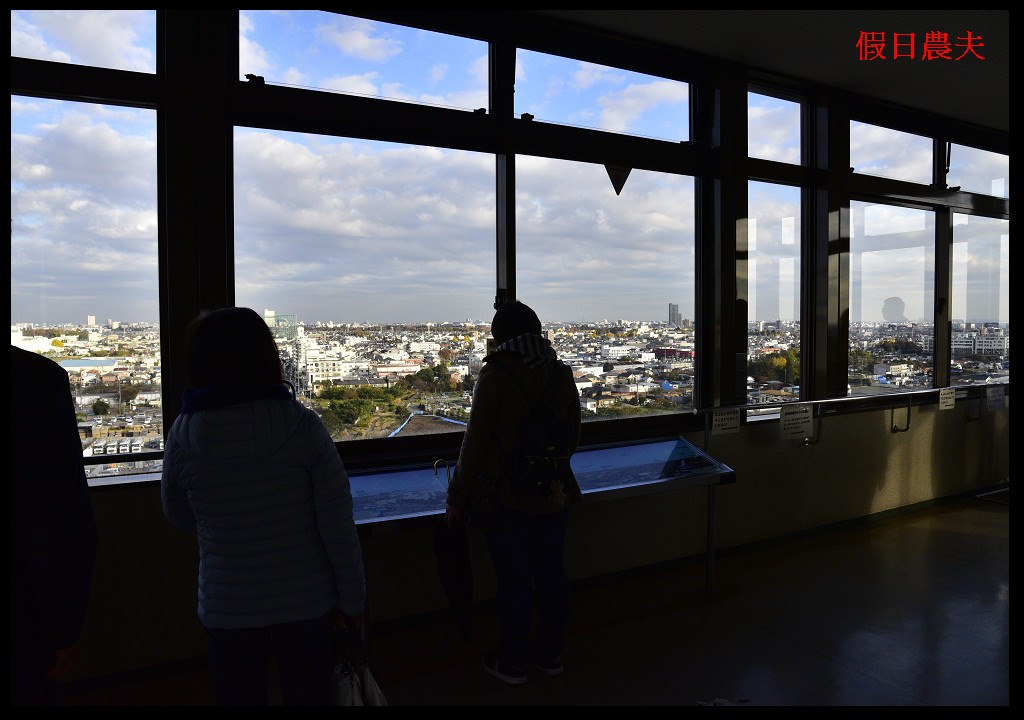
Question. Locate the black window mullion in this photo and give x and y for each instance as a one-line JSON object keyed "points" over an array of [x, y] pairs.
{"points": [[502, 65]]}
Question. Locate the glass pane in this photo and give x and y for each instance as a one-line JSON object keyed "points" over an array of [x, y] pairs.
{"points": [[612, 279], [979, 171], [980, 301], [573, 92], [327, 51], [374, 265], [773, 128], [117, 39], [892, 296], [889, 153], [84, 280], [773, 294]]}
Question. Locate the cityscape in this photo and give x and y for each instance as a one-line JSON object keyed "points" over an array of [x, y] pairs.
{"points": [[377, 381]]}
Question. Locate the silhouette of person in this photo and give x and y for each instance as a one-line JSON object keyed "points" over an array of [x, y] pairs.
{"points": [[256, 475], [527, 542], [53, 531], [892, 310]]}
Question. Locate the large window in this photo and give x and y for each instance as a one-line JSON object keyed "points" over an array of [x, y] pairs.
{"points": [[327, 51], [118, 39], [880, 151], [374, 236], [612, 275], [980, 340], [979, 171], [374, 265], [84, 284], [573, 92], [892, 296], [773, 294], [773, 128]]}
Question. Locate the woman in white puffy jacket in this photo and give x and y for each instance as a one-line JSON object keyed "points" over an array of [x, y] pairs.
{"points": [[257, 477]]}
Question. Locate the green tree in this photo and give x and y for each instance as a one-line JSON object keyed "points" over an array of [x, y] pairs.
{"points": [[129, 393], [332, 422], [350, 411]]}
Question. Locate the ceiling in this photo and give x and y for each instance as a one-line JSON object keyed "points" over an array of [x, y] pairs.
{"points": [[820, 46]]}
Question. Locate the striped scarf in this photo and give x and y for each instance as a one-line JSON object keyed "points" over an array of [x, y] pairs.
{"points": [[534, 349]]}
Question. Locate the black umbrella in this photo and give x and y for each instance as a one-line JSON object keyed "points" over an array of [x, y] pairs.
{"points": [[451, 548]]}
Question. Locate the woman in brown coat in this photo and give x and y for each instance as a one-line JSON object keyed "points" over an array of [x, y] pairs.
{"points": [[527, 540]]}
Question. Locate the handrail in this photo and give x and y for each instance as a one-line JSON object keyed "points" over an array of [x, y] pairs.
{"points": [[892, 418], [893, 399]]}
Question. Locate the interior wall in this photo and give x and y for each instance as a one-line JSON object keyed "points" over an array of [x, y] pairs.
{"points": [[143, 608]]}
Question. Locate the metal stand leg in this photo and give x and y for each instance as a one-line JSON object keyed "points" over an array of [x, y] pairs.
{"points": [[710, 582]]}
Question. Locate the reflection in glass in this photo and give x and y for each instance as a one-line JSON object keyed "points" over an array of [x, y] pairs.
{"points": [[84, 280], [980, 303], [876, 150], [773, 128], [340, 53], [573, 92], [612, 278], [979, 171], [117, 39], [374, 265], [892, 290], [772, 271]]}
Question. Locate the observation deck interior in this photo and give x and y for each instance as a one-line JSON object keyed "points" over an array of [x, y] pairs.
{"points": [[909, 609], [867, 564]]}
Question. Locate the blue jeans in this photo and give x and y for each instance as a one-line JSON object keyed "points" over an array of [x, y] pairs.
{"points": [[527, 551], [303, 652]]}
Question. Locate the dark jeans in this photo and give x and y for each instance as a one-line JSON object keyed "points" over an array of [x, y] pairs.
{"points": [[527, 551], [303, 652]]}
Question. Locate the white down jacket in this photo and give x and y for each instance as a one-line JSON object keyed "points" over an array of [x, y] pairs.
{"points": [[263, 485]]}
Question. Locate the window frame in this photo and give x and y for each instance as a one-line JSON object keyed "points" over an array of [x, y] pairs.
{"points": [[199, 100]]}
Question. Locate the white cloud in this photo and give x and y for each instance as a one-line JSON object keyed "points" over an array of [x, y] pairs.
{"points": [[252, 57], [293, 76], [357, 84], [438, 72], [27, 41], [122, 39], [589, 74], [479, 71], [773, 133], [620, 109], [355, 37]]}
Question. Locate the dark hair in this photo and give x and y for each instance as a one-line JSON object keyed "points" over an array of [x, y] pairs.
{"points": [[231, 345], [512, 320]]}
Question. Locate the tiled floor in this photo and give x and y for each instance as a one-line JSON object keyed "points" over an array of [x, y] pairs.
{"points": [[909, 610]]}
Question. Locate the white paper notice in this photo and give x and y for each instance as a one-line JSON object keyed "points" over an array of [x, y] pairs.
{"points": [[994, 398], [796, 420], [725, 421], [947, 398]]}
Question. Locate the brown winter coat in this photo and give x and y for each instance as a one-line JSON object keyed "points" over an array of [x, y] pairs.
{"points": [[498, 409]]}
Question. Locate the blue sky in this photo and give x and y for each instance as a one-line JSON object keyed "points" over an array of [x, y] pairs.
{"points": [[358, 231]]}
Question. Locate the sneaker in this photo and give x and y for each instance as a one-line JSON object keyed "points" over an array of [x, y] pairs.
{"points": [[509, 673], [550, 667]]}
